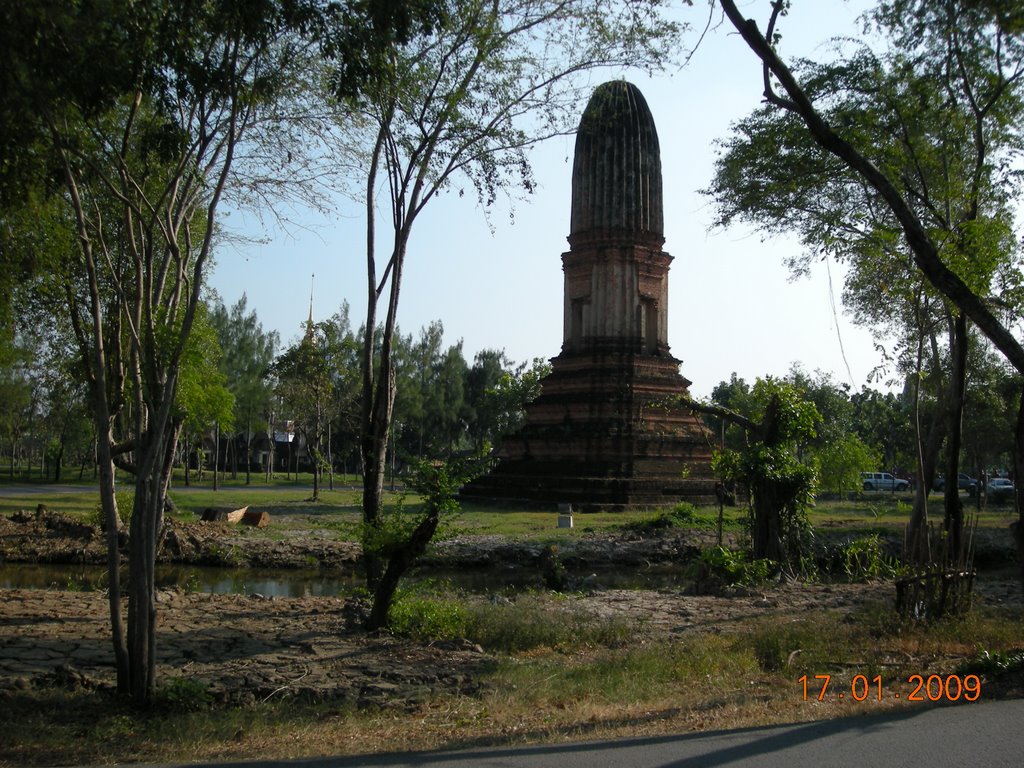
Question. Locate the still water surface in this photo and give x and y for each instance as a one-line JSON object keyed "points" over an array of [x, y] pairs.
{"points": [[316, 583]]}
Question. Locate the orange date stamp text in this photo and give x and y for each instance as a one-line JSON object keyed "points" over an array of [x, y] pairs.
{"points": [[933, 688]]}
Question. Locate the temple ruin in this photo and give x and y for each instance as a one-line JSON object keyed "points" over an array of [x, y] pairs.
{"points": [[609, 429]]}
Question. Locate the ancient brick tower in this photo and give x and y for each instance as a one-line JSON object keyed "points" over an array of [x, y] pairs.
{"points": [[608, 429]]}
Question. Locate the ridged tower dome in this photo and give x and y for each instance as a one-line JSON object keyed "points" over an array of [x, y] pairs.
{"points": [[616, 174]]}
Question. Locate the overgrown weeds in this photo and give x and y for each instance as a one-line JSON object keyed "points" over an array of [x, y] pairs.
{"points": [[532, 621]]}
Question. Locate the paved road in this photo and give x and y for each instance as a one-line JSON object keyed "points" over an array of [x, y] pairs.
{"points": [[32, 490], [982, 734]]}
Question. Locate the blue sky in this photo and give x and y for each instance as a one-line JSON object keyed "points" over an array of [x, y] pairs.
{"points": [[732, 304]]}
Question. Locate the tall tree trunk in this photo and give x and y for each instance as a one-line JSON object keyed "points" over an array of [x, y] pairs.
{"points": [[108, 501], [766, 539], [141, 581], [314, 455], [399, 560], [272, 451], [188, 462], [248, 452], [330, 459], [216, 452], [1018, 477], [155, 462], [372, 415], [953, 520]]}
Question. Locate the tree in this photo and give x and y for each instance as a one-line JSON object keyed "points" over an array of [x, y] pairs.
{"points": [[204, 400], [497, 393], [342, 351], [883, 422], [781, 486], [137, 111], [467, 98], [921, 141], [248, 353], [15, 402], [841, 461], [403, 539], [306, 390]]}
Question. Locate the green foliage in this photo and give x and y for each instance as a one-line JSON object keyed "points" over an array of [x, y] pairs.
{"points": [[511, 393], [428, 619], [437, 483], [182, 694], [841, 462], [125, 500], [534, 621], [864, 558], [931, 100], [721, 566], [393, 526], [203, 396], [247, 354], [682, 515], [552, 569], [994, 663], [773, 645], [781, 485]]}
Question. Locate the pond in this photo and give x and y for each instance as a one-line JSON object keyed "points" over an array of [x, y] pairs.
{"points": [[320, 583]]}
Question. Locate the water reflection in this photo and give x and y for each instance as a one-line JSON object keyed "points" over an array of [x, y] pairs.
{"points": [[316, 583], [271, 583]]}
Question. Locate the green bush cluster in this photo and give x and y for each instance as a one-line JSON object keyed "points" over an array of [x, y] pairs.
{"points": [[183, 694], [125, 507], [682, 515], [727, 566], [994, 663], [426, 619], [863, 559]]}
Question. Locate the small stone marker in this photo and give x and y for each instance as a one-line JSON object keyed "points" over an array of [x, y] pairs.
{"points": [[565, 515]]}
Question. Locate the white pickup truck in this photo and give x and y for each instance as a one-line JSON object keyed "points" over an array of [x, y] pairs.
{"points": [[882, 481]]}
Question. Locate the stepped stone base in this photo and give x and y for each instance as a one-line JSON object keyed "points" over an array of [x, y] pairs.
{"points": [[609, 431]]}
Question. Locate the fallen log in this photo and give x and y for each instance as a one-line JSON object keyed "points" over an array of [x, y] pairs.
{"points": [[255, 518], [237, 515]]}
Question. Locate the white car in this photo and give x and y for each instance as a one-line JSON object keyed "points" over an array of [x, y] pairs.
{"points": [[1000, 489], [882, 481]]}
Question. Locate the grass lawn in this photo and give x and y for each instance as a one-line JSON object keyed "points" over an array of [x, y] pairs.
{"points": [[289, 504]]}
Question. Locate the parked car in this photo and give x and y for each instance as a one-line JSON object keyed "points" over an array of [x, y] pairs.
{"points": [[1000, 489], [882, 481], [964, 482]]}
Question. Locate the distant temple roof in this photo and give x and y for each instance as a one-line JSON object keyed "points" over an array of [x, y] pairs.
{"points": [[616, 175]]}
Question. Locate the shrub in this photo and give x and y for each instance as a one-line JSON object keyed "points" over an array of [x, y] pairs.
{"points": [[183, 694], [426, 619], [726, 566], [994, 664], [125, 507], [861, 559]]}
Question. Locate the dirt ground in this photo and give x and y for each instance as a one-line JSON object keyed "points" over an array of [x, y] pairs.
{"points": [[249, 647]]}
